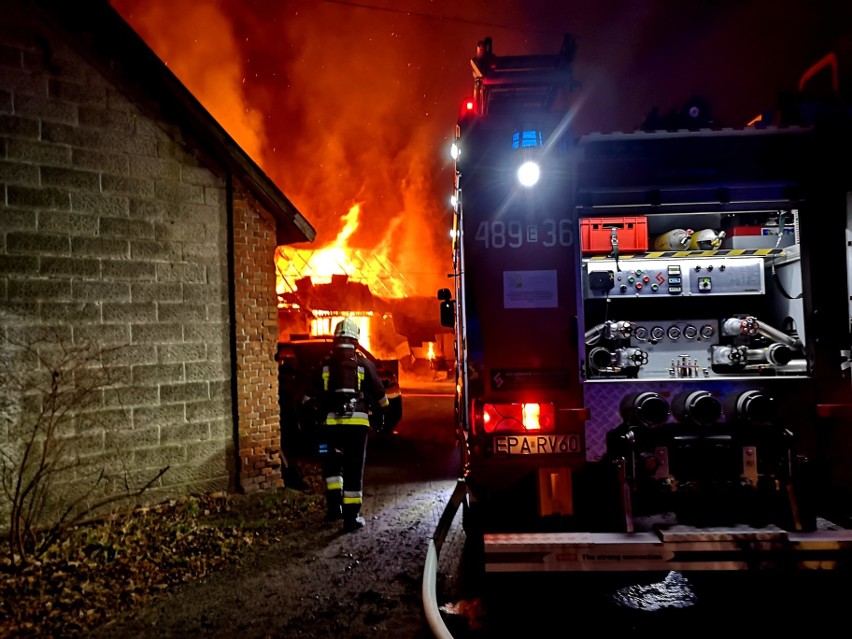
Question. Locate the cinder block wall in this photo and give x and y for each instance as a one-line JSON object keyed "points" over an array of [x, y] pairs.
{"points": [[112, 231]]}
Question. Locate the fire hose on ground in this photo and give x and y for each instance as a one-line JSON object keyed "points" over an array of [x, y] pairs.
{"points": [[430, 571]]}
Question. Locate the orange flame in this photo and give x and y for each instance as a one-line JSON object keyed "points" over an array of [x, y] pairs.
{"points": [[336, 258], [320, 264], [379, 151]]}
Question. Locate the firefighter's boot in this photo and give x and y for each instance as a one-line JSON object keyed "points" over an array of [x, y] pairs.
{"points": [[353, 524], [351, 519], [334, 504]]}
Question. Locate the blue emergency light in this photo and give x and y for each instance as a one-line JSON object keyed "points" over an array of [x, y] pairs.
{"points": [[527, 138]]}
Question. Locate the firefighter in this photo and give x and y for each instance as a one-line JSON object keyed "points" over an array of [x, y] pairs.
{"points": [[346, 388]]}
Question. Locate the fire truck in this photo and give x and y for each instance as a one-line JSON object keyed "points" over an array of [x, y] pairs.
{"points": [[652, 330]]}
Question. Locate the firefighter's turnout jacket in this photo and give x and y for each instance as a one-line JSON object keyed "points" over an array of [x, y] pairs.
{"points": [[350, 387]]}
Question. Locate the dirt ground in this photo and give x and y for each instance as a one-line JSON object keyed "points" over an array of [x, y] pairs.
{"points": [[319, 582]]}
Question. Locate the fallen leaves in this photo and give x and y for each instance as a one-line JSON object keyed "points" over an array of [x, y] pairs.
{"points": [[123, 562]]}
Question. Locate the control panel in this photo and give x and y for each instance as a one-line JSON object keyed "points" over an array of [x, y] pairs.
{"points": [[704, 276], [677, 348]]}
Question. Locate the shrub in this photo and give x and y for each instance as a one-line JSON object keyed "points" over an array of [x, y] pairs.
{"points": [[57, 466]]}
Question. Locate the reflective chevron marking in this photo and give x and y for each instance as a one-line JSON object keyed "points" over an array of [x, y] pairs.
{"points": [[711, 253]]}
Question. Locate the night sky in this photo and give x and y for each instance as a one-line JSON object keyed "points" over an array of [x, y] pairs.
{"points": [[355, 102]]}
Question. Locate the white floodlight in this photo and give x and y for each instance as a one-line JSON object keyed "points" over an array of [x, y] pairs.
{"points": [[529, 173]]}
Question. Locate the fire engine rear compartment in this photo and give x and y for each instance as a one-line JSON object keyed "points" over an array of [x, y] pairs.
{"points": [[643, 344], [721, 476]]}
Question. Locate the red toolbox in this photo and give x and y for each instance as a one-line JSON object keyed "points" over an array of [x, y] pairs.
{"points": [[596, 234]]}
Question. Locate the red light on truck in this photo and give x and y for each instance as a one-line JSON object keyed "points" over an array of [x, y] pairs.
{"points": [[532, 413], [468, 107], [516, 418]]}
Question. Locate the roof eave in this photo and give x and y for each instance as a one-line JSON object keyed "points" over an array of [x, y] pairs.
{"points": [[100, 34]]}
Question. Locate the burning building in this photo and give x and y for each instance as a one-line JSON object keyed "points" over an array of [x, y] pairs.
{"points": [[318, 287]]}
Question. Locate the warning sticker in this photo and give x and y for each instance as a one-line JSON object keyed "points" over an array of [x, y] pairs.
{"points": [[511, 379], [530, 289]]}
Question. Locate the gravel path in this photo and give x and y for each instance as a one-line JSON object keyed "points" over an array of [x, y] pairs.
{"points": [[320, 583]]}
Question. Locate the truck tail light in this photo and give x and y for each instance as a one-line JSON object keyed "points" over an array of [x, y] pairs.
{"points": [[468, 107], [514, 418]]}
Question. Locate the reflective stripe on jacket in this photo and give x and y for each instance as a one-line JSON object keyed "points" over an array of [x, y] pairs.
{"points": [[356, 418]]}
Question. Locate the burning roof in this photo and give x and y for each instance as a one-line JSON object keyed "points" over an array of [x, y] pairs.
{"points": [[300, 271], [301, 268]]}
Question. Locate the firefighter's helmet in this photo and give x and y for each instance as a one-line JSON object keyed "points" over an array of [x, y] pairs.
{"points": [[347, 327]]}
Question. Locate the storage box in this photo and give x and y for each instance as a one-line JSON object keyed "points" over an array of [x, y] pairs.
{"points": [[596, 234]]}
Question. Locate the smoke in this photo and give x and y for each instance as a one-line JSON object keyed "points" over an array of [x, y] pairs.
{"points": [[333, 102], [196, 40]]}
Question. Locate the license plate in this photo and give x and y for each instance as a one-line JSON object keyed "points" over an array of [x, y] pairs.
{"points": [[536, 444]]}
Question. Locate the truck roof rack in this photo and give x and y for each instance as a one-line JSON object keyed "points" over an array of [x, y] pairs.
{"points": [[527, 81]]}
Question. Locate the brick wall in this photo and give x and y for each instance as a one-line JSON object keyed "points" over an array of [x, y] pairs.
{"points": [[257, 335], [112, 232]]}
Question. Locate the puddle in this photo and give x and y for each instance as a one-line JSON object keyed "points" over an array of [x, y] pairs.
{"points": [[674, 591]]}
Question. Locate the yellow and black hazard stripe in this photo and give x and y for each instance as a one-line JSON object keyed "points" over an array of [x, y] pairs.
{"points": [[695, 253]]}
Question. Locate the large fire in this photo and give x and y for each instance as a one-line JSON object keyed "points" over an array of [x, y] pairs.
{"points": [[330, 120], [372, 268], [334, 117], [337, 262]]}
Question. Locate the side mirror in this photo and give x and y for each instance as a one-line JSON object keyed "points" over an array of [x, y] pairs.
{"points": [[448, 309]]}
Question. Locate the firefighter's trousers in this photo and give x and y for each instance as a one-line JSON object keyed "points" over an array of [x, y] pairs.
{"points": [[343, 467]]}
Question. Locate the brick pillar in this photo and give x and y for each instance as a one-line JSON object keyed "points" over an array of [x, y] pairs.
{"points": [[257, 335]]}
